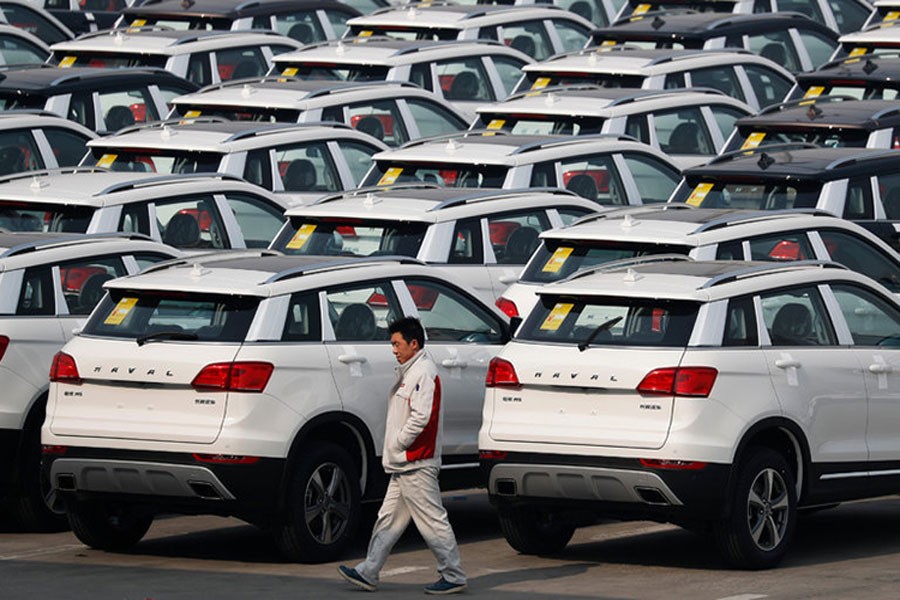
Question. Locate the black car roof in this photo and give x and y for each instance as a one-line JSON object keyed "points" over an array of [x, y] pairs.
{"points": [[231, 9], [827, 112], [683, 26], [50, 80], [798, 162], [871, 68]]}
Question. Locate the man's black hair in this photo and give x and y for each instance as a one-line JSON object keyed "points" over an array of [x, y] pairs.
{"points": [[410, 328]]}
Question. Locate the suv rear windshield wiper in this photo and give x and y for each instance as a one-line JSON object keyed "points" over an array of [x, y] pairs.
{"points": [[601, 327], [166, 335]]}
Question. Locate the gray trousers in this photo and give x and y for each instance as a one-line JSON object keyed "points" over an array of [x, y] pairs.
{"points": [[413, 495]]}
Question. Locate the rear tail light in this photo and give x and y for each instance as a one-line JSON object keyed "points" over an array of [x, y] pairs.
{"points": [[508, 307], [64, 369], [679, 381], [4, 344], [674, 465], [234, 377], [493, 454], [501, 373], [226, 459], [54, 449]]}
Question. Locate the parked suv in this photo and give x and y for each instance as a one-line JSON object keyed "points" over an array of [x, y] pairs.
{"points": [[608, 169], [872, 77], [859, 184], [719, 396], [268, 377], [441, 226], [33, 140], [49, 283], [702, 234]]}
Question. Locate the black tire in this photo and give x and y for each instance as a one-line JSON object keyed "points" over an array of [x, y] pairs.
{"points": [[30, 498], [531, 531], [107, 526], [763, 512], [322, 507]]}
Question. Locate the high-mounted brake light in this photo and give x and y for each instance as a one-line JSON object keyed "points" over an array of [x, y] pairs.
{"points": [[64, 369], [508, 307], [679, 381], [501, 373], [234, 377]]}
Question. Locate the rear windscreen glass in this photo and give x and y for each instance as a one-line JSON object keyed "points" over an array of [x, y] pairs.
{"points": [[350, 237]]}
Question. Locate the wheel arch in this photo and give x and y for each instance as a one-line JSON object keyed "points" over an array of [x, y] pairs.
{"points": [[783, 436]]}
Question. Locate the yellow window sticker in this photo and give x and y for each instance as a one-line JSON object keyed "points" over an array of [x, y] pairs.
{"points": [[555, 262], [753, 140], [300, 238], [364, 33], [892, 16], [107, 160], [699, 194], [496, 124], [191, 114], [608, 43], [121, 310], [858, 51], [290, 71], [390, 176], [814, 91], [67, 62], [138, 22], [640, 9], [540, 83], [556, 316]]}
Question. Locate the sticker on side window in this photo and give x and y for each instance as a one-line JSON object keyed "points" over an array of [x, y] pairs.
{"points": [[192, 114], [300, 238], [699, 194], [608, 43], [390, 176], [556, 316], [365, 33], [138, 22], [496, 124], [858, 51], [66, 62], [121, 310], [814, 91], [107, 160], [540, 83], [641, 9], [290, 71], [557, 260], [753, 140], [892, 16]]}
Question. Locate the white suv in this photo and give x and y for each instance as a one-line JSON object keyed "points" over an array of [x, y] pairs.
{"points": [[719, 396], [48, 285], [254, 385]]}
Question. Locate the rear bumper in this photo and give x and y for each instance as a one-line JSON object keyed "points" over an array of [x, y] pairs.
{"points": [[609, 487]]}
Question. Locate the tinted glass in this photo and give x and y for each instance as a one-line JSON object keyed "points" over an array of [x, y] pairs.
{"points": [[350, 237], [797, 317]]}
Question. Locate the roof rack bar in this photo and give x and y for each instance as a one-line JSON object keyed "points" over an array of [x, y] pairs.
{"points": [[572, 139], [774, 108], [60, 170], [849, 160], [68, 239], [279, 127], [167, 122], [759, 149], [334, 264], [208, 258], [733, 218], [760, 269], [493, 194], [637, 209], [628, 262], [455, 135], [369, 189], [172, 178]]}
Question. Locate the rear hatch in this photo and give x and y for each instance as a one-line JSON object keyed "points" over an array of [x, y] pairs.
{"points": [[590, 397], [136, 360]]}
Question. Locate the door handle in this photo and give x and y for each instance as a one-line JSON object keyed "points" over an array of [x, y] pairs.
{"points": [[784, 363], [451, 363], [879, 368], [351, 358]]}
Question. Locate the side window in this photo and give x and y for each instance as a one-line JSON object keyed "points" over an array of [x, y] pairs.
{"points": [[258, 168], [797, 317], [572, 35], [726, 117], [170, 93], [655, 180], [740, 323], [464, 80], [198, 69], [674, 81], [873, 321], [810, 8], [381, 119], [81, 110], [238, 63], [307, 168], [857, 255], [135, 218], [68, 147], [82, 281], [544, 175], [466, 244], [190, 222], [529, 37], [849, 15], [303, 322], [358, 157], [432, 118], [570, 215], [259, 220], [777, 47], [730, 251], [889, 184], [595, 178], [509, 69], [636, 126], [514, 236], [338, 20], [818, 46], [362, 313], [781, 247], [303, 26], [18, 152], [122, 109], [858, 204], [769, 86], [721, 78], [449, 316], [146, 259], [683, 132], [36, 295], [420, 74]]}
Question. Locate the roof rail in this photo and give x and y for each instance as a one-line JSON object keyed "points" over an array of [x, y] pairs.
{"points": [[496, 8], [621, 211], [173, 178], [742, 272], [68, 239], [167, 122], [846, 161], [335, 264], [627, 262], [774, 108], [208, 257], [493, 194], [758, 215], [211, 33], [57, 171], [271, 128], [759, 149], [424, 185], [553, 142], [452, 136], [123, 71], [443, 44], [37, 112], [650, 14], [120, 30]]}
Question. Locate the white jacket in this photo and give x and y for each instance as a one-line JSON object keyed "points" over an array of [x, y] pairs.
{"points": [[412, 433]]}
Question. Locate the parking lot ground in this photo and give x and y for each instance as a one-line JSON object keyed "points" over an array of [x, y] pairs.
{"points": [[849, 551]]}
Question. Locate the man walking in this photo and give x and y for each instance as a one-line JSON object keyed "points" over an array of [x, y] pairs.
{"points": [[412, 458]]}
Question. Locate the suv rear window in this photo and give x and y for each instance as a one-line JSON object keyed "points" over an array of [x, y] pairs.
{"points": [[557, 259], [601, 321], [333, 71], [32, 216], [166, 315], [712, 192], [350, 237]]}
